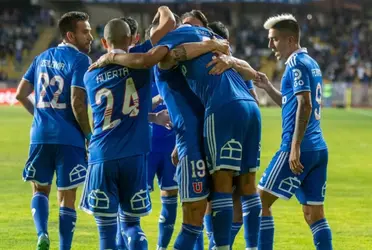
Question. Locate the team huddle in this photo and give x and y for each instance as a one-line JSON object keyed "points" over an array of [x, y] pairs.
{"points": [[181, 107]]}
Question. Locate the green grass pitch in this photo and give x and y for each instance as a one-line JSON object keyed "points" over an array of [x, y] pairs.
{"points": [[348, 204]]}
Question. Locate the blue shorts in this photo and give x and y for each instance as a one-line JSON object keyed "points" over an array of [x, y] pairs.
{"points": [[161, 165], [309, 187], [117, 183], [68, 162], [232, 137], [193, 178]]}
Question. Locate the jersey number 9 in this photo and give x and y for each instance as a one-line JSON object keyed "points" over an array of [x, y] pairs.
{"points": [[318, 99], [130, 96]]}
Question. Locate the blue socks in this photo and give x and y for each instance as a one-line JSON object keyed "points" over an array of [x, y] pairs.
{"points": [[167, 220], [266, 236], [136, 238], [40, 212], [67, 222], [209, 230], [251, 207], [121, 239], [322, 235], [107, 232], [235, 228], [187, 238], [222, 215]]}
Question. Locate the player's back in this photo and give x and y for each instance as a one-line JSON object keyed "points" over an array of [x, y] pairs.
{"points": [[120, 99], [302, 73], [213, 90], [53, 73], [185, 109]]}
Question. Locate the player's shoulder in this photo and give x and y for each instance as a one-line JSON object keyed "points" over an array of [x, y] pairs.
{"points": [[301, 59]]}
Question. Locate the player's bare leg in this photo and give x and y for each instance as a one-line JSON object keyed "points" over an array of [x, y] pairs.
{"points": [[40, 213], [222, 208], [266, 235], [315, 218], [251, 208], [67, 217]]}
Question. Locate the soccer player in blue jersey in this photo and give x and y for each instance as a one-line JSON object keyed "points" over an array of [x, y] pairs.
{"points": [[230, 147], [120, 99], [159, 161], [300, 165], [57, 140]]}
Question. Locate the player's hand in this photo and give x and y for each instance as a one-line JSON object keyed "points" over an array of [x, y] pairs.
{"points": [[220, 45], [220, 64], [162, 119], [294, 160], [261, 80], [156, 101], [174, 157], [104, 60]]}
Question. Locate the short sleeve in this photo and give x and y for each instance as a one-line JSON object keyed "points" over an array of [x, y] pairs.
{"points": [[172, 39], [249, 84], [30, 73], [300, 78], [142, 48], [80, 67]]}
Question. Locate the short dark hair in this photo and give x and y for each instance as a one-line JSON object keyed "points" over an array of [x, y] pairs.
{"points": [[198, 15], [68, 21], [288, 26], [220, 29], [133, 24]]}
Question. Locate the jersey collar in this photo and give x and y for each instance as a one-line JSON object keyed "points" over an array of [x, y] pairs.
{"points": [[301, 50], [118, 51], [68, 45]]}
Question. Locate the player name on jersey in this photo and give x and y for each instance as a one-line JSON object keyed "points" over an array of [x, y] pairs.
{"points": [[52, 64], [111, 74]]}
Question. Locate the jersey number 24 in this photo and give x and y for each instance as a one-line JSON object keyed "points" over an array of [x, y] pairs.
{"points": [[130, 96]]}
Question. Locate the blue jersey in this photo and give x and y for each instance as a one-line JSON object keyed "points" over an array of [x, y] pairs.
{"points": [[302, 73], [53, 73], [214, 91], [163, 139], [120, 99], [141, 48], [185, 109]]}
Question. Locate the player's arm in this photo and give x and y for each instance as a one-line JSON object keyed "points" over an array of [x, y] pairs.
{"points": [[222, 62], [80, 109], [161, 118], [252, 90], [79, 96], [303, 113], [156, 101], [24, 90], [188, 51], [301, 88], [132, 60], [261, 81], [167, 22]]}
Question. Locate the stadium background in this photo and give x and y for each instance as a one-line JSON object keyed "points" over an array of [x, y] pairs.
{"points": [[338, 33]]}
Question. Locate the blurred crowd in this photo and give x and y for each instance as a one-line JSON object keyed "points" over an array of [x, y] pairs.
{"points": [[18, 33], [341, 44]]}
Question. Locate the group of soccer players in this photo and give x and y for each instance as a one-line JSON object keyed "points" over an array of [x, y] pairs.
{"points": [[181, 77]]}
